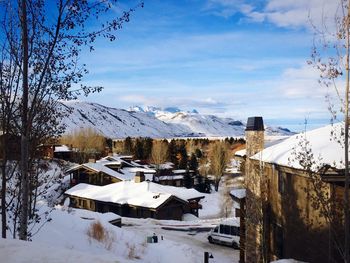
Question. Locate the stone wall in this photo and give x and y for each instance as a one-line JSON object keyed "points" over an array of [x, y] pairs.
{"points": [[254, 215]]}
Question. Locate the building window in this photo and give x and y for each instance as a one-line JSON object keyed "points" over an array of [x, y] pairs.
{"points": [[281, 182], [238, 212]]}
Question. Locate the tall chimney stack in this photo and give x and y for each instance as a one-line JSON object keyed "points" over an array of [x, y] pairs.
{"points": [[254, 134], [253, 239]]}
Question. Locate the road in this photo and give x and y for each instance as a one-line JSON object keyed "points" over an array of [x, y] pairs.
{"points": [[194, 239]]}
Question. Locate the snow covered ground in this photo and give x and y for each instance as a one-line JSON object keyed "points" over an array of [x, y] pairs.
{"points": [[64, 238]]}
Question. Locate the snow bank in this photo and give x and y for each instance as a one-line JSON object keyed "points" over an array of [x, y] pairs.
{"points": [[17, 251]]}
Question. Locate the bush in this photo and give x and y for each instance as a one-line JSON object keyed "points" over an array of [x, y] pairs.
{"points": [[98, 232]]}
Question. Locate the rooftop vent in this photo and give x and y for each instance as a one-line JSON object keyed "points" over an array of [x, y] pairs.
{"points": [[255, 124], [156, 196]]}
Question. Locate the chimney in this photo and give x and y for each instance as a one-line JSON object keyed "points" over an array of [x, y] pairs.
{"points": [[139, 177], [92, 160], [254, 134]]}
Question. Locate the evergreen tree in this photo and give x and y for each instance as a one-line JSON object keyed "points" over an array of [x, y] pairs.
{"points": [[193, 164], [147, 148], [128, 149], [188, 180], [182, 156], [138, 149], [198, 153], [172, 150]]}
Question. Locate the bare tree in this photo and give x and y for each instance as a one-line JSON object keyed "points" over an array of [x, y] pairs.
{"points": [[322, 199], [8, 112], [159, 153], [218, 161], [330, 56], [88, 143], [45, 39]]}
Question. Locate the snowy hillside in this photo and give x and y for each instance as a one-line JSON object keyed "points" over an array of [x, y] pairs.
{"points": [[117, 123], [152, 122]]}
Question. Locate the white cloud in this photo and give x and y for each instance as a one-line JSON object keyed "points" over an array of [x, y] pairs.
{"points": [[283, 13], [300, 13], [227, 8]]}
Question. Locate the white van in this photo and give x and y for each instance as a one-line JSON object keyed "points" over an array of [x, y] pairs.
{"points": [[227, 233]]}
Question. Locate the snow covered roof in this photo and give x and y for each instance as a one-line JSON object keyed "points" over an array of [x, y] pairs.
{"points": [[101, 167], [241, 153], [180, 192], [238, 193], [179, 171], [169, 177], [145, 194], [326, 151], [122, 193], [62, 148], [140, 169], [167, 165]]}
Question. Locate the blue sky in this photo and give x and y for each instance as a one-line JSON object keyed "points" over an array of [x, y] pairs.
{"points": [[233, 58]]}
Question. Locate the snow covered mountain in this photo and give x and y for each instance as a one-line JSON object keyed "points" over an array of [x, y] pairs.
{"points": [[151, 121]]}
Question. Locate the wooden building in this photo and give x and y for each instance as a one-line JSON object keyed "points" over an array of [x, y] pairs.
{"points": [[106, 171], [138, 198], [283, 216]]}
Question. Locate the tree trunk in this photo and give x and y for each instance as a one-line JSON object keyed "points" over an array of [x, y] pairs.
{"points": [[217, 181], [346, 148], [23, 233], [3, 197]]}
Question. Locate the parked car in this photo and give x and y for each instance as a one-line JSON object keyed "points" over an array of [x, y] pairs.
{"points": [[226, 233]]}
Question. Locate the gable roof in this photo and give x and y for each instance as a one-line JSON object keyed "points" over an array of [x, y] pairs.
{"points": [[126, 173], [145, 194], [128, 192], [325, 149], [101, 167]]}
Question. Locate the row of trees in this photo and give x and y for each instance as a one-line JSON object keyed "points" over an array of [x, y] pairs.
{"points": [[199, 155], [40, 45], [87, 143]]}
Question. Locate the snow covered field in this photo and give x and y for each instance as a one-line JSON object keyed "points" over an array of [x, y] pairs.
{"points": [[65, 239]]}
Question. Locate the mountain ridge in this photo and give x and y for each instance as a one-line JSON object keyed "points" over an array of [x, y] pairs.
{"points": [[152, 122]]}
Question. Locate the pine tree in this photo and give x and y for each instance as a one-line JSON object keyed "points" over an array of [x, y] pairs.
{"points": [[128, 146]]}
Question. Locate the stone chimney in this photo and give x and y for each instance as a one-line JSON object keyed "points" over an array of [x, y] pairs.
{"points": [[254, 134], [139, 177], [253, 239]]}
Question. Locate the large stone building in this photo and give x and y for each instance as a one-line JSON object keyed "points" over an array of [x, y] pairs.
{"points": [[294, 192]]}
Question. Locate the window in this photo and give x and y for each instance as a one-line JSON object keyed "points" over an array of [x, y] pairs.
{"points": [[216, 229], [234, 231], [238, 212], [281, 182], [225, 229]]}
